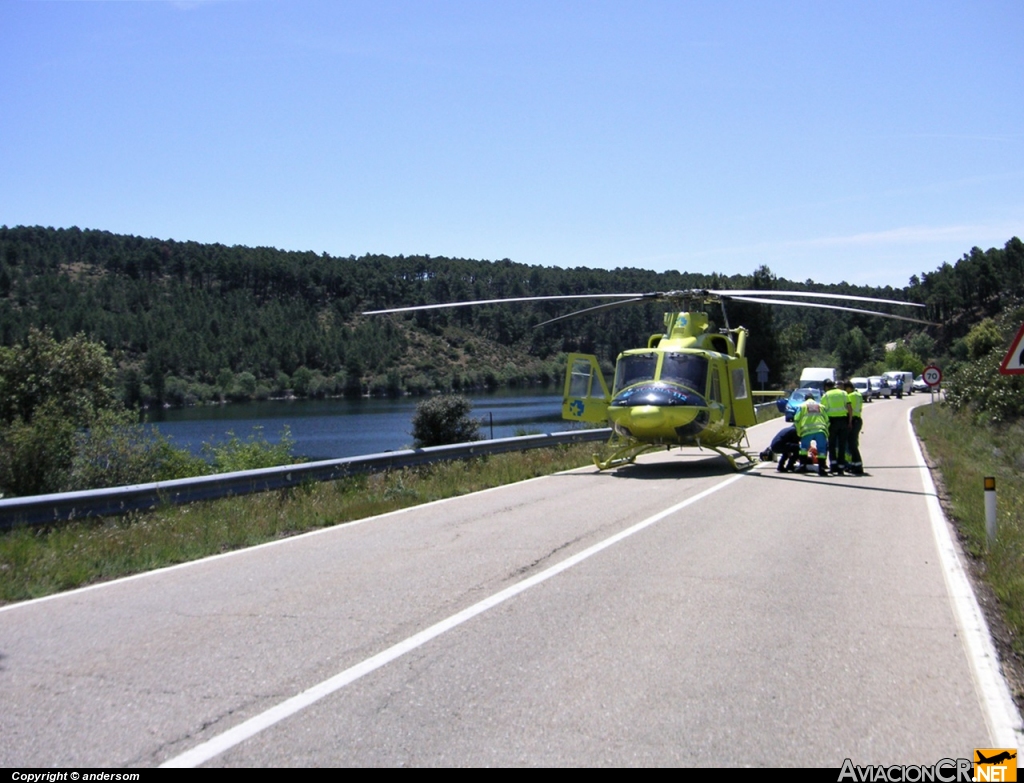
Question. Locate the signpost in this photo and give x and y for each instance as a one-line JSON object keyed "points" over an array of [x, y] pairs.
{"points": [[762, 373], [932, 375], [1013, 362]]}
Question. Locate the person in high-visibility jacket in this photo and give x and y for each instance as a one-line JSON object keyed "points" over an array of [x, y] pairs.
{"points": [[812, 426], [837, 407], [853, 460]]}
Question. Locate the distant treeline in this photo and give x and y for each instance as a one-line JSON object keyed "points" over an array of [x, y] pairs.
{"points": [[188, 321]]}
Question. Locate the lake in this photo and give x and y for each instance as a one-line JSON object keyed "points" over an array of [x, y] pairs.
{"points": [[327, 429]]}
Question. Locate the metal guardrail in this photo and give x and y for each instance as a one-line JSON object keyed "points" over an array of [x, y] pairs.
{"points": [[41, 509]]}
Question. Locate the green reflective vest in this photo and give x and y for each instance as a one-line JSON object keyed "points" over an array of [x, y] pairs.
{"points": [[856, 402], [810, 418], [834, 403]]}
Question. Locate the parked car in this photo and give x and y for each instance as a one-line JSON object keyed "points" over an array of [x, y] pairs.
{"points": [[880, 386], [862, 385], [796, 400], [920, 385]]}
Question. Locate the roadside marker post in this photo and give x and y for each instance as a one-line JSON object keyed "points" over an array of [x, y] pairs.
{"points": [[990, 510]]}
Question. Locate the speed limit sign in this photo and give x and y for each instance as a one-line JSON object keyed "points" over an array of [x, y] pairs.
{"points": [[932, 375]]}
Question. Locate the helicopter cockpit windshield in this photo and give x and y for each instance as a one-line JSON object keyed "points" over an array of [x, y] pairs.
{"points": [[685, 369], [634, 368]]}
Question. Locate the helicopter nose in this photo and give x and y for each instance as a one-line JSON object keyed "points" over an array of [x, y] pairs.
{"points": [[646, 417], [648, 421], [658, 410]]}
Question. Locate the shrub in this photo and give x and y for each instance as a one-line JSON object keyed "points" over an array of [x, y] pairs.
{"points": [[74, 376], [301, 381], [979, 387], [176, 391], [63, 428], [442, 420], [254, 452], [36, 456], [983, 339], [902, 358], [319, 386], [49, 390], [246, 384], [115, 451]]}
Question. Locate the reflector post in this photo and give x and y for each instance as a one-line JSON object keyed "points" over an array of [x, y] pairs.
{"points": [[990, 510]]}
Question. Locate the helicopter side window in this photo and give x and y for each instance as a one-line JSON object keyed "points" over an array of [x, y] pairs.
{"points": [[579, 380], [739, 384], [686, 369], [716, 388], [635, 368]]}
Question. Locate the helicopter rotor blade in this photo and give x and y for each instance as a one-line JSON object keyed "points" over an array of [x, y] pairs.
{"points": [[759, 300], [678, 298], [595, 309], [813, 295], [561, 297]]}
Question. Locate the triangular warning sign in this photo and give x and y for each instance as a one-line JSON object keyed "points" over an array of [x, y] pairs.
{"points": [[1013, 362]]}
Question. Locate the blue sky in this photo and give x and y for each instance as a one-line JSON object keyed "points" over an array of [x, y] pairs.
{"points": [[863, 141]]}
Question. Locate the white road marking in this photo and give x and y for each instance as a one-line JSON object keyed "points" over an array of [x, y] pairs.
{"points": [[323, 531], [1001, 715], [284, 541], [223, 742]]}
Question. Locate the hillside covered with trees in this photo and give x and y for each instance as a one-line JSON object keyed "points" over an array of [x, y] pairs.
{"points": [[187, 322]]}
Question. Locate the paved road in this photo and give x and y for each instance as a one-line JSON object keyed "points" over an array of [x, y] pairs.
{"points": [[667, 613]]}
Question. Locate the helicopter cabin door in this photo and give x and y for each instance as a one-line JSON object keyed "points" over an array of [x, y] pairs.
{"points": [[742, 400], [585, 397]]}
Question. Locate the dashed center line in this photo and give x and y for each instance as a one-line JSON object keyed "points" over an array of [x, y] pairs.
{"points": [[258, 723]]}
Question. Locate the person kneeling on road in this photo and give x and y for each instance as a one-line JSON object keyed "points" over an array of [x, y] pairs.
{"points": [[787, 445]]}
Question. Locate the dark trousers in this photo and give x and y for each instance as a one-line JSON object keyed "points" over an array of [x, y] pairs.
{"points": [[853, 443], [838, 441], [788, 456]]}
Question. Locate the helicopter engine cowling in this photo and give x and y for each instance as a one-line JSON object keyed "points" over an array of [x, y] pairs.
{"points": [[658, 410]]}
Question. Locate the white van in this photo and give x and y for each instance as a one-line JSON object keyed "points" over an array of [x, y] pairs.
{"points": [[879, 386], [815, 377], [894, 376], [864, 387]]}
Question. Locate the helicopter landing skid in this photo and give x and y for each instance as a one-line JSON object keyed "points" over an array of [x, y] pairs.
{"points": [[749, 462], [626, 455]]}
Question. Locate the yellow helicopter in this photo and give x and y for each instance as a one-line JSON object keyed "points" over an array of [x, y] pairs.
{"points": [[689, 387]]}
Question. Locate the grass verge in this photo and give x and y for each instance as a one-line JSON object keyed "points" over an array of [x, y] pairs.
{"points": [[43, 560], [965, 452]]}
